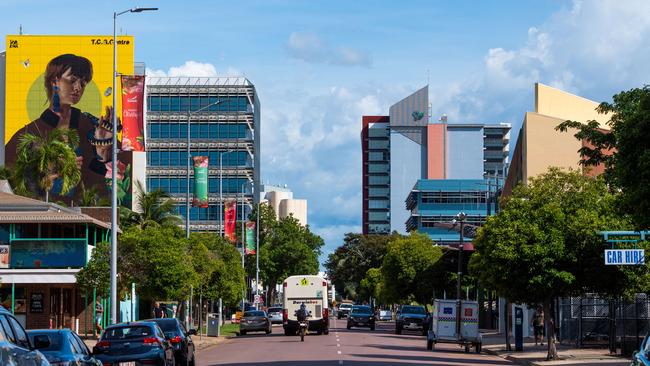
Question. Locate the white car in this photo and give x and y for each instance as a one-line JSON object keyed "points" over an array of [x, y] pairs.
{"points": [[385, 315]]}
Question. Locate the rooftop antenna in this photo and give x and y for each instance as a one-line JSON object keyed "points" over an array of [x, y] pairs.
{"points": [[20, 29]]}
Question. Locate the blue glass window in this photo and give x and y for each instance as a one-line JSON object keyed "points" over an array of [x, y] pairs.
{"points": [[174, 104], [154, 130]]}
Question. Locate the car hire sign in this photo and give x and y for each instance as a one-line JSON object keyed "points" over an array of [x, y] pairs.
{"points": [[624, 256]]}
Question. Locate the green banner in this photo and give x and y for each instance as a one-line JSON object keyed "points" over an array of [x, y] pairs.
{"points": [[200, 181], [250, 237]]}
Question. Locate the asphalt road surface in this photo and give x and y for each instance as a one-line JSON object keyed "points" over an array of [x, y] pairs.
{"points": [[355, 347]]}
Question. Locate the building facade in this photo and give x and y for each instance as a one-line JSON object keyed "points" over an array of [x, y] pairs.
{"points": [[540, 146], [410, 147], [224, 124], [280, 198]]}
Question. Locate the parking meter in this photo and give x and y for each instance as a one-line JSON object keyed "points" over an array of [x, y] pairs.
{"points": [[519, 329]]}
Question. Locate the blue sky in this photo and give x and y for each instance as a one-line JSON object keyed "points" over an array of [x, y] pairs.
{"points": [[320, 65]]}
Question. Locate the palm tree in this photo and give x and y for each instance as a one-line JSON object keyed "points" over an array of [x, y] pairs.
{"points": [[42, 160], [157, 206], [90, 197]]}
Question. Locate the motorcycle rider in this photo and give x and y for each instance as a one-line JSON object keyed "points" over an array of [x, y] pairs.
{"points": [[302, 314]]}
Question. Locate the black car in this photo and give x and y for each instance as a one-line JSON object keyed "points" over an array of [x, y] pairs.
{"points": [[180, 339], [62, 347], [412, 317], [16, 349], [138, 343], [361, 316]]}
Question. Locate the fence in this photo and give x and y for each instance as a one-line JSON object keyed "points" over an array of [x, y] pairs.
{"points": [[594, 321]]}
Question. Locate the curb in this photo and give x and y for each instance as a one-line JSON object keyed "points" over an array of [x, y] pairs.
{"points": [[509, 358]]}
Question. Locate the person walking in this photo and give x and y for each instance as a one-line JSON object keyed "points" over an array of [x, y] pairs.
{"points": [[99, 312], [158, 311], [538, 324]]}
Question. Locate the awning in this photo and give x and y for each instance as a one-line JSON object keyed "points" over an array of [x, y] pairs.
{"points": [[36, 276]]}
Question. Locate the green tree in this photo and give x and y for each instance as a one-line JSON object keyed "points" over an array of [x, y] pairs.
{"points": [[409, 267], [371, 285], [157, 209], [42, 160], [350, 262], [544, 243], [96, 274], [90, 197], [624, 150], [290, 250]]}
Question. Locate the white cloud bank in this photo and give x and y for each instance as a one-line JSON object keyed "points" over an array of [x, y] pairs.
{"points": [[193, 69]]}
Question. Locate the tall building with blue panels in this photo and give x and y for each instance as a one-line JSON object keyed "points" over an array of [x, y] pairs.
{"points": [[228, 132], [434, 203]]}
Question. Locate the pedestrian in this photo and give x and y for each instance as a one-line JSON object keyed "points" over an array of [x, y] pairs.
{"points": [[99, 312], [158, 311], [538, 324]]}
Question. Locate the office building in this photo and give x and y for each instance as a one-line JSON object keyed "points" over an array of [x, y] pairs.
{"points": [[280, 198], [540, 146], [224, 119], [408, 147]]}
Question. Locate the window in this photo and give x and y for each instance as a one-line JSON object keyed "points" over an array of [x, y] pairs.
{"points": [[376, 156], [378, 144], [377, 204], [8, 332], [378, 179], [378, 228], [19, 332], [377, 168], [377, 132], [73, 344], [378, 192], [377, 216], [82, 346]]}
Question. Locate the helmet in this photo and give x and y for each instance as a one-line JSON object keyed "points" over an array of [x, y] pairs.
{"points": [[303, 306]]}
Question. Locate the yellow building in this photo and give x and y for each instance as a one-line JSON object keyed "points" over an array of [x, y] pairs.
{"points": [[540, 146]]}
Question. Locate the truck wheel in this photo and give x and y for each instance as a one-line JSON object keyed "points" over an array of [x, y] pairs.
{"points": [[429, 345], [398, 330]]}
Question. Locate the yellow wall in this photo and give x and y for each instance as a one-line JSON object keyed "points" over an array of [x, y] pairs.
{"points": [[557, 103], [27, 57]]}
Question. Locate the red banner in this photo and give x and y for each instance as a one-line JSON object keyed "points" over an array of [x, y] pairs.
{"points": [[132, 112], [230, 218]]}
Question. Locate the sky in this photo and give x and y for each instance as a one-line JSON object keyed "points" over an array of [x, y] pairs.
{"points": [[318, 66]]}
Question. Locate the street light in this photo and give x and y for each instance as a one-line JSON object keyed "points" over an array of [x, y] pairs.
{"points": [[114, 169], [189, 159], [461, 218]]}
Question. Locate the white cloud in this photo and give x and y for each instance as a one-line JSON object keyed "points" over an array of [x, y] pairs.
{"points": [[193, 69], [309, 47]]}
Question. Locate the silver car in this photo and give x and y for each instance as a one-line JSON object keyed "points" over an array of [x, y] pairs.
{"points": [[255, 321], [275, 314]]}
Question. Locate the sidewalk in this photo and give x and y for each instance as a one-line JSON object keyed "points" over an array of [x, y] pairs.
{"points": [[494, 343]]}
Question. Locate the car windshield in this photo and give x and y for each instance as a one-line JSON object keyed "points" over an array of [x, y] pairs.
{"points": [[249, 314], [56, 341], [127, 332], [413, 310], [346, 306], [275, 310], [361, 310]]}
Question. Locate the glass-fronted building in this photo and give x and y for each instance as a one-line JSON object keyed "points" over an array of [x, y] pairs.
{"points": [[224, 124], [376, 174]]}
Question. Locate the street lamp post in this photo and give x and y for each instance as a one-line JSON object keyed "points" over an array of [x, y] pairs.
{"points": [[461, 218], [189, 160], [114, 167]]}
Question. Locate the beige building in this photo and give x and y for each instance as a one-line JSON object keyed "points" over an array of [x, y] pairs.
{"points": [[540, 146], [283, 203]]}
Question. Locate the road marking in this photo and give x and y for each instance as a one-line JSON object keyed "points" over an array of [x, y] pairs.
{"points": [[338, 345], [340, 362], [339, 352]]}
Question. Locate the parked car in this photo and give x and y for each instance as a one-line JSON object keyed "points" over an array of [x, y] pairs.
{"points": [[412, 317], [180, 339], [275, 314], [255, 321], [344, 310], [361, 316], [62, 347], [386, 315], [642, 356], [15, 345], [141, 342]]}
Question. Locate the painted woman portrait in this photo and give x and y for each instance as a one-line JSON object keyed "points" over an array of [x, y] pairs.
{"points": [[66, 77]]}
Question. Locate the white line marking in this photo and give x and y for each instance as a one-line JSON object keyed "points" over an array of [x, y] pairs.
{"points": [[339, 352], [340, 362], [338, 345]]}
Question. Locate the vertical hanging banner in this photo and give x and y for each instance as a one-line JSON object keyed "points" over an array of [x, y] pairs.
{"points": [[230, 218], [200, 181], [132, 112], [250, 237]]}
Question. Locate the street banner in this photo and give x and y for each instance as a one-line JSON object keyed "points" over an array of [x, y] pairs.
{"points": [[200, 182], [230, 218], [132, 112], [250, 237]]}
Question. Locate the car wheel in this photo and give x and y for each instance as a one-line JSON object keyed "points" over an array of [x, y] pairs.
{"points": [[242, 332], [268, 331], [372, 327], [349, 326], [193, 361], [478, 347]]}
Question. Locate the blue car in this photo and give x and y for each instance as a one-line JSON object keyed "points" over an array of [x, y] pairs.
{"points": [[15, 347], [642, 356], [62, 347], [131, 344]]}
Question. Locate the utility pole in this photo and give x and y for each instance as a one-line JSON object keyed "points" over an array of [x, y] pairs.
{"points": [[461, 217]]}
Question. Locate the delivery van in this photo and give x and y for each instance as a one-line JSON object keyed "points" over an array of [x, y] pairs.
{"points": [[308, 290]]}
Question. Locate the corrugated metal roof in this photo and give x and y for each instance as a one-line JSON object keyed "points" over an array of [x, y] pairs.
{"points": [[198, 81], [19, 209]]}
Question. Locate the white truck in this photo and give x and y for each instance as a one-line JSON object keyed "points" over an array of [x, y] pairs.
{"points": [[308, 290]]}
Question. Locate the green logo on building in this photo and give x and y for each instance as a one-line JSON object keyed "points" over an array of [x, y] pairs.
{"points": [[417, 115]]}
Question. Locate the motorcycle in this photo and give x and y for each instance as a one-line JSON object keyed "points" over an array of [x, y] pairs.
{"points": [[303, 330]]}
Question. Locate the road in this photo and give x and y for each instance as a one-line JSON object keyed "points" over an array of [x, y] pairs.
{"points": [[356, 347]]}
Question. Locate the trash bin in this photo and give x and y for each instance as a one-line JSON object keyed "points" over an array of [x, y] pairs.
{"points": [[213, 324]]}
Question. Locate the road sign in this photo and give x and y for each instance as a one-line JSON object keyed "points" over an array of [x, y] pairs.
{"points": [[257, 299], [624, 257]]}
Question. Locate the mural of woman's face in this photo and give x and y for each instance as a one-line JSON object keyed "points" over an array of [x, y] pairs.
{"points": [[71, 88]]}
